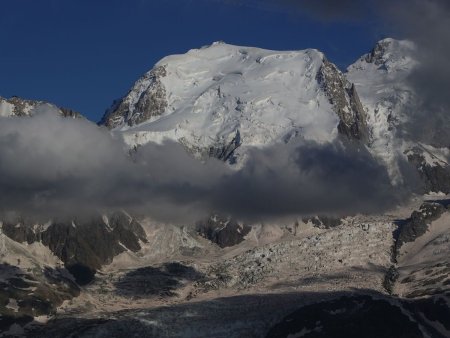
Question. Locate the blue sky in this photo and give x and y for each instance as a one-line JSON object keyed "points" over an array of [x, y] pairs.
{"points": [[83, 54]]}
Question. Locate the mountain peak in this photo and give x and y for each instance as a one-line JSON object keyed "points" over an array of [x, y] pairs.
{"points": [[208, 96], [390, 55]]}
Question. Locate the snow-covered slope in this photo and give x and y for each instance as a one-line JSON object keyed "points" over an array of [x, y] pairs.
{"points": [[219, 97], [380, 79]]}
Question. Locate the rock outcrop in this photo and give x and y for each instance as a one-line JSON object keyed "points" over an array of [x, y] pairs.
{"points": [[417, 224], [223, 231], [345, 101], [83, 245], [16, 106], [146, 100]]}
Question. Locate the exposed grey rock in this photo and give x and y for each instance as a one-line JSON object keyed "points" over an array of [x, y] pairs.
{"points": [[221, 149], [324, 222], [417, 224], [127, 230], [20, 231], [436, 178], [345, 100], [224, 231], [83, 245], [378, 53], [390, 279], [226, 151], [34, 293], [151, 102], [24, 107], [88, 244], [66, 112]]}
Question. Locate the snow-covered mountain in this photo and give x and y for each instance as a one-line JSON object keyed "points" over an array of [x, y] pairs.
{"points": [[381, 79], [223, 98]]}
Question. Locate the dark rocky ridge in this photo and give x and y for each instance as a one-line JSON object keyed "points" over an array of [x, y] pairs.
{"points": [[83, 245], [36, 292], [436, 178], [376, 55], [226, 152], [221, 150], [417, 224], [323, 222], [223, 231], [345, 100], [390, 279], [152, 102], [21, 107], [424, 280]]}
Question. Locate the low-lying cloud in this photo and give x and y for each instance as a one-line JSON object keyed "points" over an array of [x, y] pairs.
{"points": [[51, 166], [308, 179]]}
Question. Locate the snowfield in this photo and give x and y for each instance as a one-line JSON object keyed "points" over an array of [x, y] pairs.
{"points": [[214, 93]]}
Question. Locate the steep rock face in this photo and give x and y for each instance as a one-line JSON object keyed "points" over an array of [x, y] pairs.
{"points": [[433, 170], [33, 282], [146, 100], [226, 151], [16, 106], [223, 231], [422, 263], [33, 294], [84, 246], [417, 224], [221, 99], [344, 98]]}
